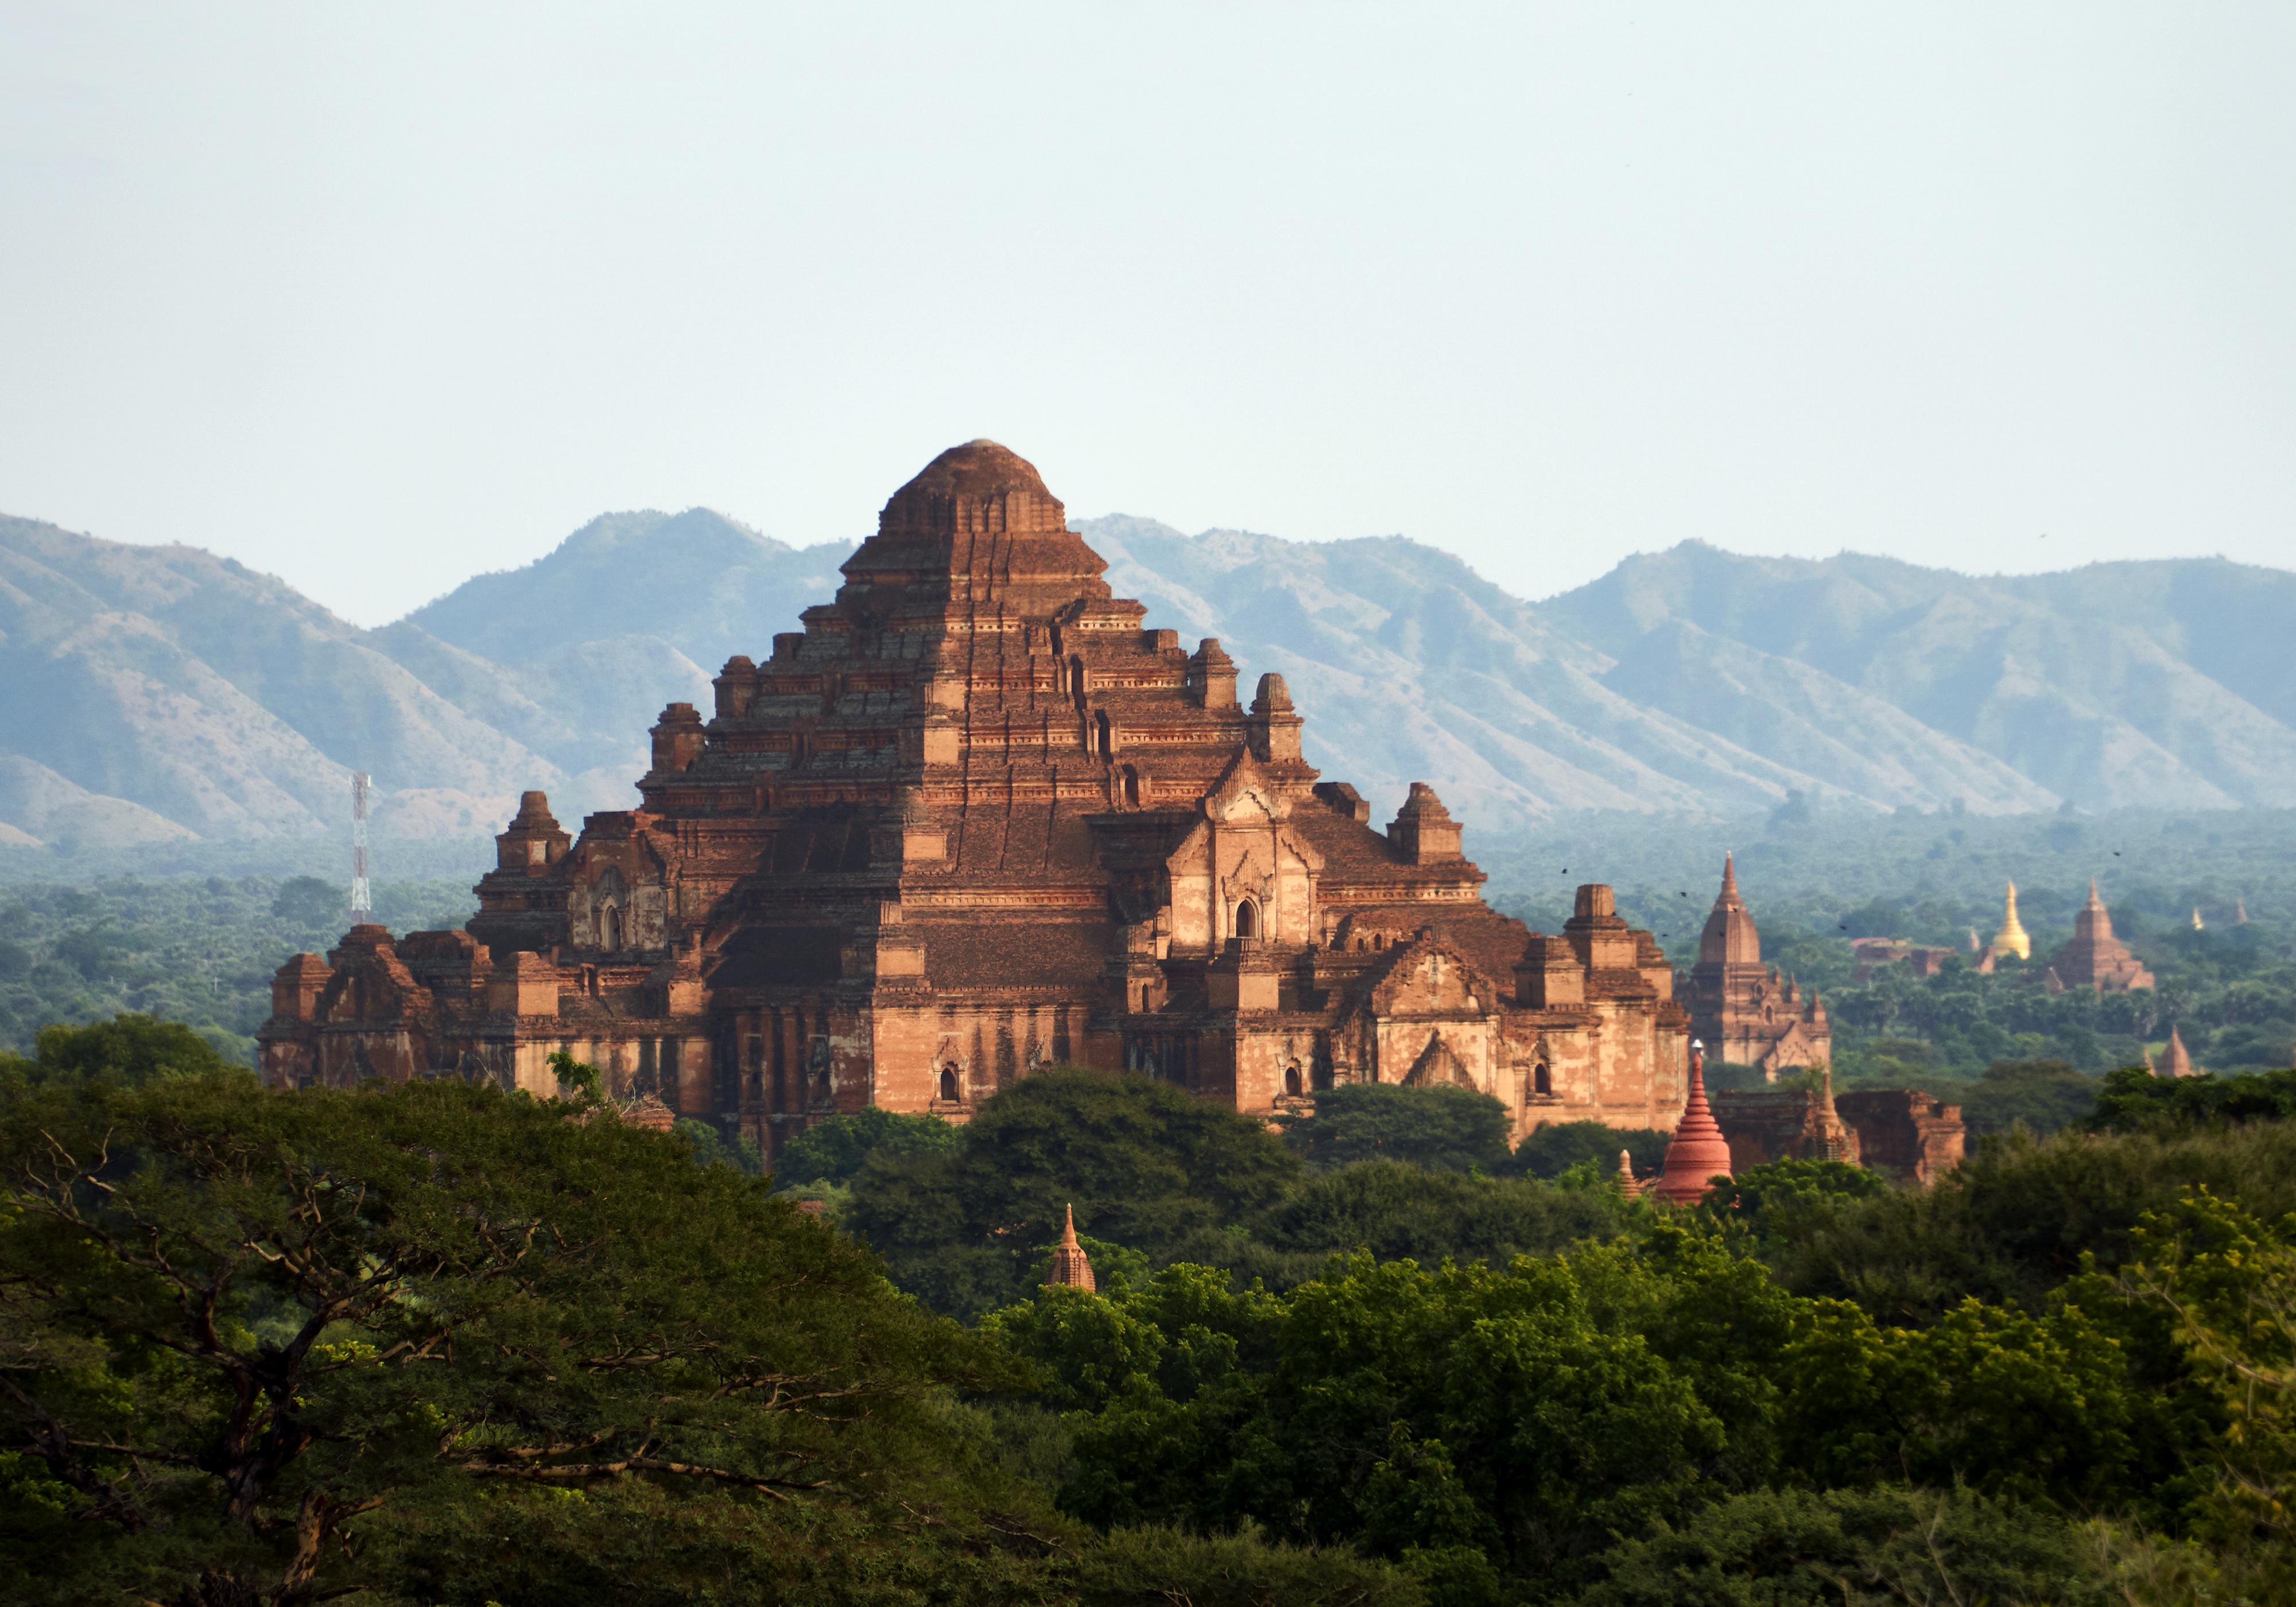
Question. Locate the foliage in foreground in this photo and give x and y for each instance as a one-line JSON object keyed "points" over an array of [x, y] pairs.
{"points": [[1498, 1431], [249, 1329]]}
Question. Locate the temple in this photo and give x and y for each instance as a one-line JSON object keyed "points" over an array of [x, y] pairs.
{"points": [[976, 818], [2095, 959], [1743, 1010]]}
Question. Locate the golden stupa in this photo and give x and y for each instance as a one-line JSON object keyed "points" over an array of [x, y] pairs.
{"points": [[2011, 939]]}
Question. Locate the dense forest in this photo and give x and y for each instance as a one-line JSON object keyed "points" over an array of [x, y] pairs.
{"points": [[436, 1343]]}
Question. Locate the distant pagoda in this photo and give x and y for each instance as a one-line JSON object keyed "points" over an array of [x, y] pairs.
{"points": [[1069, 1265]]}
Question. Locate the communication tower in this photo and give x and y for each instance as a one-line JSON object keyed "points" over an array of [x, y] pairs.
{"points": [[362, 901]]}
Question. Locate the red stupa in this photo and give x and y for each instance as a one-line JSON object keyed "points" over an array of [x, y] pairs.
{"points": [[1697, 1152]]}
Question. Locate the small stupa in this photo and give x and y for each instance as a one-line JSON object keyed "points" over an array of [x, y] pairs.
{"points": [[1069, 1265], [2198, 924], [2011, 939], [2180, 1059], [1628, 1184], [1697, 1154]]}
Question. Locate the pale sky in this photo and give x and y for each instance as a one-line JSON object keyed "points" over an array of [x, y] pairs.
{"points": [[377, 296]]}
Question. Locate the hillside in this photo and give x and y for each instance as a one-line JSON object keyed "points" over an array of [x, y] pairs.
{"points": [[161, 691], [2117, 685]]}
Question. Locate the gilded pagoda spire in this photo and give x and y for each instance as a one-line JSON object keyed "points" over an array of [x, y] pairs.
{"points": [[2011, 939]]}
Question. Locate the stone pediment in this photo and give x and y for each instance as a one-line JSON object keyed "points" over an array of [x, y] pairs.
{"points": [[1245, 793], [1429, 976], [1437, 1067]]}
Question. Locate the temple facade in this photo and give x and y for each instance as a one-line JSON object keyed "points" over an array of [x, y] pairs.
{"points": [[976, 818], [1743, 1011], [2095, 959]]}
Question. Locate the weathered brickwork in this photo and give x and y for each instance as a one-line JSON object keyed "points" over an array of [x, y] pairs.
{"points": [[977, 818]]}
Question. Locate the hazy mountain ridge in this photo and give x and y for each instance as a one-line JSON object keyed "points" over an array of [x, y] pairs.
{"points": [[158, 690], [2076, 680]]}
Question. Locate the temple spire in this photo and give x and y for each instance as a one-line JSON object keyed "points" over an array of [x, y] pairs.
{"points": [[2180, 1059], [1069, 1265], [2011, 939], [1697, 1152]]}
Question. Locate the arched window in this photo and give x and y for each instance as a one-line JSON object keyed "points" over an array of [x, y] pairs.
{"points": [[1291, 1080], [609, 929], [1247, 918], [1542, 1080], [1076, 681], [1145, 1005], [1131, 788], [948, 1084], [1104, 739]]}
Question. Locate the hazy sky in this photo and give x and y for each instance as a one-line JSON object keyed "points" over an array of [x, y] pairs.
{"points": [[378, 296]]}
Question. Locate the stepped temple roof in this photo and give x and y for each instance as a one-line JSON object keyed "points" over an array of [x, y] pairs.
{"points": [[977, 818]]}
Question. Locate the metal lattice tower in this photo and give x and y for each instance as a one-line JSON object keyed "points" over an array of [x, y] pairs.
{"points": [[362, 901]]}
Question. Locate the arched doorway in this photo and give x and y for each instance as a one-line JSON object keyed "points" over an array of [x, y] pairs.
{"points": [[610, 930], [1291, 1083], [948, 1085], [1247, 918]]}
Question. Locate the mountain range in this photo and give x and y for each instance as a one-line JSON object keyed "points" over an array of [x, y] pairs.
{"points": [[150, 693]]}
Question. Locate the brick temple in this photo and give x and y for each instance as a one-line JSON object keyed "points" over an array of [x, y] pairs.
{"points": [[1743, 1011], [977, 818]]}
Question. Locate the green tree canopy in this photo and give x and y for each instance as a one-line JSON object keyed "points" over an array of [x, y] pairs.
{"points": [[127, 1050], [1554, 1148], [2134, 1100], [1446, 1129], [266, 1348], [832, 1151], [1145, 1164], [2044, 1094], [310, 901]]}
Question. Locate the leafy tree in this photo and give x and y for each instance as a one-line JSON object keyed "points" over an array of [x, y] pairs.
{"points": [[1884, 1547], [1143, 1163], [2044, 1094], [578, 1081], [1468, 1422], [1446, 1128], [1788, 1197], [2229, 1278], [2134, 1100], [832, 1151], [1554, 1148], [309, 901], [1405, 1212], [2035, 1408], [712, 1148], [2017, 1219], [269, 1348], [127, 1050]]}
